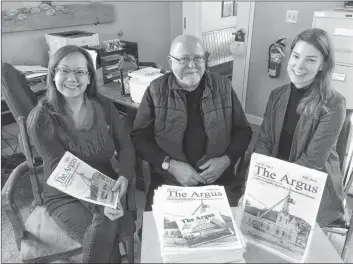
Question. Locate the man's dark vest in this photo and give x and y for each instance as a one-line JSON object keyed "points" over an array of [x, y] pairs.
{"points": [[171, 117]]}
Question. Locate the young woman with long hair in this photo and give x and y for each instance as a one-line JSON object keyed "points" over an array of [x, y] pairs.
{"points": [[303, 119]]}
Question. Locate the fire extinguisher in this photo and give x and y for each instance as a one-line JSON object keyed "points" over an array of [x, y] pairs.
{"points": [[275, 57]]}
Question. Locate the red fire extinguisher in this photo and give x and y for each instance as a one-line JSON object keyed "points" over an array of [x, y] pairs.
{"points": [[275, 57]]}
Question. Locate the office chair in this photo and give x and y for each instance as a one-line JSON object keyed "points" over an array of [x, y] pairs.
{"points": [[39, 239], [344, 225]]}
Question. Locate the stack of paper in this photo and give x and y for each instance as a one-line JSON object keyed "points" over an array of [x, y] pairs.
{"points": [[140, 80], [195, 224], [33, 73]]}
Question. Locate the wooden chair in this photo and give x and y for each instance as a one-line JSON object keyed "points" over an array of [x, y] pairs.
{"points": [[39, 239], [344, 226]]}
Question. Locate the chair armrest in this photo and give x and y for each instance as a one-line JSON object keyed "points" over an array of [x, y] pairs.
{"points": [[146, 173], [130, 196], [348, 243], [8, 203]]}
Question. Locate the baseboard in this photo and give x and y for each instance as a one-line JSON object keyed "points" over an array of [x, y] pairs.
{"points": [[254, 119]]}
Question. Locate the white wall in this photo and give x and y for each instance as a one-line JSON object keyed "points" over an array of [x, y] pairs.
{"points": [[269, 25], [212, 17]]}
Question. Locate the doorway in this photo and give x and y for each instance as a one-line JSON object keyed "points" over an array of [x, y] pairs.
{"points": [[194, 21]]}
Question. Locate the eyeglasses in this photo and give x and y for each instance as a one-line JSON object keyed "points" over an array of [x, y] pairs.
{"points": [[186, 60], [67, 71]]}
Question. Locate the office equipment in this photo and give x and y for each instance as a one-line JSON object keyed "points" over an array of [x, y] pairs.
{"points": [[339, 26], [110, 60], [39, 239], [76, 37]]}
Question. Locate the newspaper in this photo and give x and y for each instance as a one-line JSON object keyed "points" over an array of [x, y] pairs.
{"points": [[203, 228], [78, 179], [280, 206], [207, 207]]}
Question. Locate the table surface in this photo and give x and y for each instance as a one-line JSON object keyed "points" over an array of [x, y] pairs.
{"points": [[112, 91], [321, 249]]}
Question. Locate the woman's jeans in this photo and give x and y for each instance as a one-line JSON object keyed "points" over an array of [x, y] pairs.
{"points": [[87, 224]]}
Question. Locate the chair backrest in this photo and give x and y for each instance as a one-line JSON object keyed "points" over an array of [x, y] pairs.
{"points": [[21, 100], [342, 148], [16, 91]]}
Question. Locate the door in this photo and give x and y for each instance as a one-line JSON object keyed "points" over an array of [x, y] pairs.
{"points": [[245, 18], [192, 18], [192, 24]]}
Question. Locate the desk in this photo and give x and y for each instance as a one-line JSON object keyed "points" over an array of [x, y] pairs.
{"points": [[112, 91], [321, 250]]}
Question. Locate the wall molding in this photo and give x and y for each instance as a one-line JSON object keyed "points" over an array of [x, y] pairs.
{"points": [[254, 119]]}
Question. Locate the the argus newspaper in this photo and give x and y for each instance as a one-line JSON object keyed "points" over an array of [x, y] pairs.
{"points": [[195, 218], [280, 206], [78, 179], [196, 225]]}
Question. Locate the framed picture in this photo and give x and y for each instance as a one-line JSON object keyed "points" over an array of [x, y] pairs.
{"points": [[229, 8]]}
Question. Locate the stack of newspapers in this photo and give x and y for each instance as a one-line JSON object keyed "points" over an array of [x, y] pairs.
{"points": [[33, 73], [140, 80], [196, 224]]}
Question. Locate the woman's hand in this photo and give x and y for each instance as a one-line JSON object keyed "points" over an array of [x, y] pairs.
{"points": [[121, 186], [113, 214]]}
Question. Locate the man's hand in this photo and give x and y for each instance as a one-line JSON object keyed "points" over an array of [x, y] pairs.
{"points": [[214, 168], [184, 173]]}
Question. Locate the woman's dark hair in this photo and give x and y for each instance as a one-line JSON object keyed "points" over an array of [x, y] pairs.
{"points": [[53, 99]]}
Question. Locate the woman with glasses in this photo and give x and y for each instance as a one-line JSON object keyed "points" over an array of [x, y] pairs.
{"points": [[304, 118], [71, 117]]}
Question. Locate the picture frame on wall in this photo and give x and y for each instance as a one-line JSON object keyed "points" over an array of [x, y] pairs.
{"points": [[229, 8]]}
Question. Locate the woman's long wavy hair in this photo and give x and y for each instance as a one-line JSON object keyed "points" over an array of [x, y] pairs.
{"points": [[53, 99], [321, 90]]}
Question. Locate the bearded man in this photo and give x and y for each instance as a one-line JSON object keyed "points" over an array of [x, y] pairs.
{"points": [[190, 126]]}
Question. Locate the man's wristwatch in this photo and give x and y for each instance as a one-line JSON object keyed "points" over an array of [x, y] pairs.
{"points": [[166, 163]]}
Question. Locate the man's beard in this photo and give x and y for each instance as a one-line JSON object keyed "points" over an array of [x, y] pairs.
{"points": [[190, 80]]}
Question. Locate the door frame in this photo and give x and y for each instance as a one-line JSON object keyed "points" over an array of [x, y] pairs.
{"points": [[248, 40], [192, 24]]}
